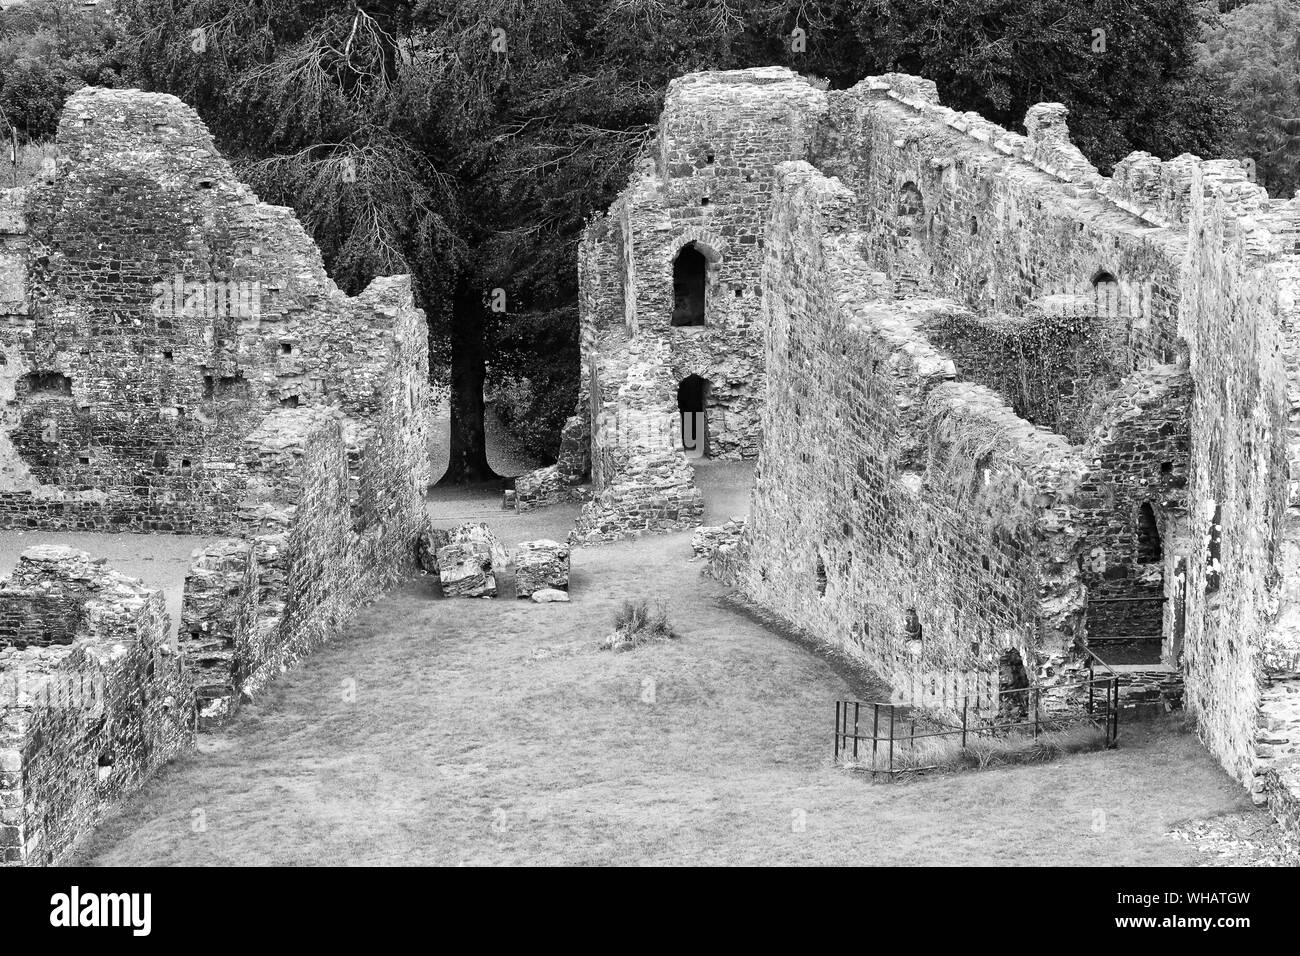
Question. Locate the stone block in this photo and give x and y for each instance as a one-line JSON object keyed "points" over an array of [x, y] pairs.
{"points": [[465, 570], [480, 535], [540, 565]]}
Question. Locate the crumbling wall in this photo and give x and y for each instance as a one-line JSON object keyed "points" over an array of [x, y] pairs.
{"points": [[1049, 363], [166, 312], [910, 518], [707, 187], [177, 359], [253, 606], [645, 484], [954, 205], [1240, 289], [93, 699]]}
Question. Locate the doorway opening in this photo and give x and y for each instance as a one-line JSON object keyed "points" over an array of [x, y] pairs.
{"points": [[692, 402]]}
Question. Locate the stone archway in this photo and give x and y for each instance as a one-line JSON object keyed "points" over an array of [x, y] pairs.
{"points": [[690, 282]]}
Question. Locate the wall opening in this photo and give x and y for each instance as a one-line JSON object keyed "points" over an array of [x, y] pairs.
{"points": [[47, 383], [910, 203], [1013, 683], [1149, 549], [1105, 293], [1213, 551], [819, 576], [912, 630], [692, 407], [225, 387], [689, 271]]}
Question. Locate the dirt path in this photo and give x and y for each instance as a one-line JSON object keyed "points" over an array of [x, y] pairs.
{"points": [[494, 732]]}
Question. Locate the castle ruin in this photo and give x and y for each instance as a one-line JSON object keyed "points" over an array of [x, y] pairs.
{"points": [[1010, 416], [175, 359]]}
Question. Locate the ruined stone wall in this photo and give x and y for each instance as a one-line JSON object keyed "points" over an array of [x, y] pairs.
{"points": [[253, 606], [166, 313], [1050, 365], [708, 185], [177, 359], [1240, 554], [1072, 283], [93, 699], [721, 136], [957, 206], [890, 490]]}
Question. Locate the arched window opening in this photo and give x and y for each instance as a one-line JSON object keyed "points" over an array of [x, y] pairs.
{"points": [[821, 576], [689, 271], [1105, 293], [692, 404], [1149, 548]]}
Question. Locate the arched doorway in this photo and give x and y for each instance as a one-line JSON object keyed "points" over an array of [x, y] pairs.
{"points": [[690, 268], [1106, 294], [692, 405]]}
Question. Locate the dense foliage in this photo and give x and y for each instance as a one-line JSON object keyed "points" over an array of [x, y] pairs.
{"points": [[1256, 48], [48, 50]]}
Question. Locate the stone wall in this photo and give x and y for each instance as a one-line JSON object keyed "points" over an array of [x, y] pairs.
{"points": [[155, 312], [93, 699], [176, 359], [957, 206], [1148, 320], [910, 518], [1242, 573], [254, 605], [1050, 363], [707, 186]]}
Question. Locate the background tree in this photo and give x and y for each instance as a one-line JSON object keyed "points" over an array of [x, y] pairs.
{"points": [[48, 50], [1256, 49], [1126, 69]]}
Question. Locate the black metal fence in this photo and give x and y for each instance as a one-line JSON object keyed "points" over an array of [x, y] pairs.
{"points": [[884, 736]]}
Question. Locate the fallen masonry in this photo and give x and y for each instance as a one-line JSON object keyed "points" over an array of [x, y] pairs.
{"points": [[541, 565], [465, 570]]}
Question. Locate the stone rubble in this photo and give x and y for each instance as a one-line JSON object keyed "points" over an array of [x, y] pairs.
{"points": [[539, 565]]}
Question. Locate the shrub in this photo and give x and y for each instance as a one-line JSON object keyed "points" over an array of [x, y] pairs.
{"points": [[636, 624]]}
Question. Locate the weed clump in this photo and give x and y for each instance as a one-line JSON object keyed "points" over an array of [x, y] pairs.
{"points": [[636, 624]]}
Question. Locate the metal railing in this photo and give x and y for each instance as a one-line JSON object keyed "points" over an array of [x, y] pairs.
{"points": [[893, 727]]}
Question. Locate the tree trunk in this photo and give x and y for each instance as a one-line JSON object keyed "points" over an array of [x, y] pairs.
{"points": [[468, 459]]}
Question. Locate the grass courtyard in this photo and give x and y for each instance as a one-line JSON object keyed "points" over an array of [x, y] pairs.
{"points": [[495, 732]]}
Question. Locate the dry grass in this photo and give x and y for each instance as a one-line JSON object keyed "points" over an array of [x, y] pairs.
{"points": [[945, 754], [495, 732]]}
